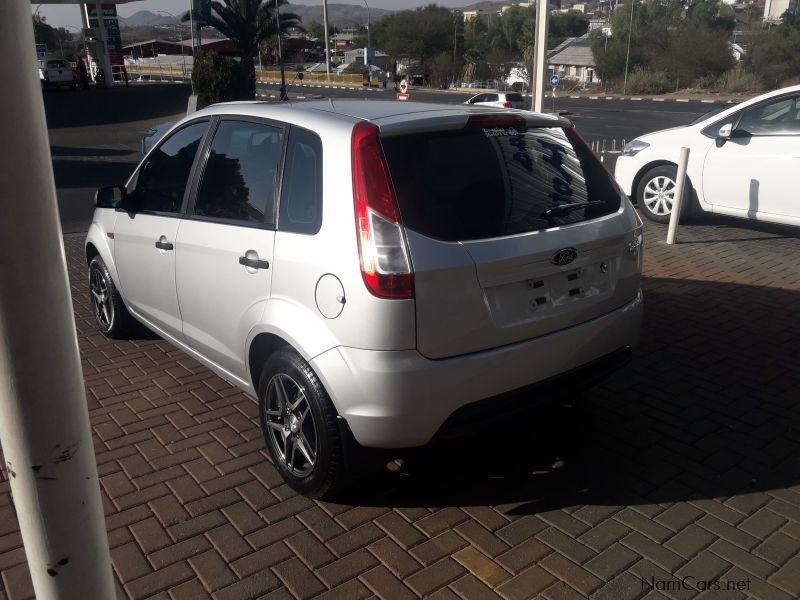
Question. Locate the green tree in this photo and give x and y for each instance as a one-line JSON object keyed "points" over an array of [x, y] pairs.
{"points": [[219, 79], [419, 35], [247, 23], [667, 40], [774, 56], [52, 37]]}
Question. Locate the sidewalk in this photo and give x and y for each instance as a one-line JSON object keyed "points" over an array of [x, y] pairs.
{"points": [[685, 466]]}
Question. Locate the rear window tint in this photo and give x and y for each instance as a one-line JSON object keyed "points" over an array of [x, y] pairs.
{"points": [[484, 183], [514, 97]]}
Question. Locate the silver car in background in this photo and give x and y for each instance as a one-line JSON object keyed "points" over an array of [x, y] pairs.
{"points": [[377, 274]]}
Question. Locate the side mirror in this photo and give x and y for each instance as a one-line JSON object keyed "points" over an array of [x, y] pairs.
{"points": [[725, 131], [113, 196]]}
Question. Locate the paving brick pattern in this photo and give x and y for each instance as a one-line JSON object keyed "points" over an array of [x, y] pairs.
{"points": [[685, 464]]}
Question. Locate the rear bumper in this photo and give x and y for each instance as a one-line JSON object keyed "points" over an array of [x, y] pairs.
{"points": [[402, 399]]}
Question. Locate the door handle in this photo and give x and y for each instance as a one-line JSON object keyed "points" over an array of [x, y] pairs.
{"points": [[253, 263], [164, 245]]}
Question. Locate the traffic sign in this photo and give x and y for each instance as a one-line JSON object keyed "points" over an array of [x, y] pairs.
{"points": [[555, 80], [404, 86], [402, 96], [41, 51]]}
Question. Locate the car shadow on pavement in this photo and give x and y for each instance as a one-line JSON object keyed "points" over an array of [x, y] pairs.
{"points": [[761, 231], [709, 408], [96, 107], [72, 151], [91, 173]]}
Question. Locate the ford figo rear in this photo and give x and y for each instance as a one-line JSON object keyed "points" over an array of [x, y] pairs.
{"points": [[373, 272]]}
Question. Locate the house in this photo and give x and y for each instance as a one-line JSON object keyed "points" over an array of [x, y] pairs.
{"points": [[774, 9], [573, 59], [380, 59]]}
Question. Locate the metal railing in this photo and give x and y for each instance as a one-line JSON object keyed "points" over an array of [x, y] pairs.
{"points": [[158, 72], [269, 75]]}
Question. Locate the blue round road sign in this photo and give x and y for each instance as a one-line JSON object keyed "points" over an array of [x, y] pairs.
{"points": [[555, 80]]}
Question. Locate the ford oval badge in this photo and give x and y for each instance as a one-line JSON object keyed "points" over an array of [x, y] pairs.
{"points": [[564, 256]]}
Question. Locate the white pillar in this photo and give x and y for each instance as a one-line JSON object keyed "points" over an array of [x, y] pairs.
{"points": [[540, 56], [44, 420], [677, 202]]}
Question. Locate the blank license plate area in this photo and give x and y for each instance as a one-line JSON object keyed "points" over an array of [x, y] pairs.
{"points": [[539, 298]]}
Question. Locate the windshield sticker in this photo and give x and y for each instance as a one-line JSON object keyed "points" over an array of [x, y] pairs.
{"points": [[499, 131]]}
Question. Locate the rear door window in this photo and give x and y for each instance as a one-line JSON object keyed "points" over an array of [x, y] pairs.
{"points": [[514, 97], [301, 193], [482, 182]]}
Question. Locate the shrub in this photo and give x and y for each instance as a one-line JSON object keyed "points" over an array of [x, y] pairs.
{"points": [[218, 79], [644, 81], [708, 83], [740, 79]]}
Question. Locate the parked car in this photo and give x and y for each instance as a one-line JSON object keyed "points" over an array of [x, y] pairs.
{"points": [[500, 100], [373, 272], [743, 162], [56, 72]]}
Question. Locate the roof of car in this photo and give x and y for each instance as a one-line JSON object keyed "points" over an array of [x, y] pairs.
{"points": [[391, 116], [370, 110]]}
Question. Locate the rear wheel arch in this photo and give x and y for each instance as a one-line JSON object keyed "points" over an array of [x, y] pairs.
{"points": [[91, 252], [261, 348]]}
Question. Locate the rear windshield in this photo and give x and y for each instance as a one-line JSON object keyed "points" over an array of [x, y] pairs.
{"points": [[514, 97], [483, 183], [56, 64]]}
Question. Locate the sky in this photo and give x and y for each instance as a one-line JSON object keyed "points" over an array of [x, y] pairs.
{"points": [[62, 15]]}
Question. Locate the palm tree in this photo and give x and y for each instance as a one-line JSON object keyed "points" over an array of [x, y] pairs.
{"points": [[247, 23]]}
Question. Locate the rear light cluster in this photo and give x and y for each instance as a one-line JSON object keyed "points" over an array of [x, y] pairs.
{"points": [[385, 263], [506, 104]]}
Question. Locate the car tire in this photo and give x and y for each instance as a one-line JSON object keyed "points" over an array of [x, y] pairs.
{"points": [[110, 314], [308, 453], [655, 193]]}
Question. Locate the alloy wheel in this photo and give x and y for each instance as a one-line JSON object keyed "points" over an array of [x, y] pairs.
{"points": [[291, 425], [101, 300], [659, 194]]}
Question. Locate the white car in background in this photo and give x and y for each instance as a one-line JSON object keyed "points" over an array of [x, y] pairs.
{"points": [[56, 72], [743, 162], [500, 100]]}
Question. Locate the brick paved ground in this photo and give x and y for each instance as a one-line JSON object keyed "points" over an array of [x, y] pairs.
{"points": [[685, 463]]}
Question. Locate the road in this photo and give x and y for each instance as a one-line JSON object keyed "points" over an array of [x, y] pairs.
{"points": [[95, 135], [596, 119], [95, 139]]}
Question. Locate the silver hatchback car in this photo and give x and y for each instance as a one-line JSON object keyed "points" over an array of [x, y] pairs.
{"points": [[377, 274]]}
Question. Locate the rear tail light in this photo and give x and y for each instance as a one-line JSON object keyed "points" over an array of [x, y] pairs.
{"points": [[506, 104], [385, 264]]}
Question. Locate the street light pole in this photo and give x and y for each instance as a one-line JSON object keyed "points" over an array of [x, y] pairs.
{"points": [[628, 53], [369, 45], [178, 30], [283, 95], [327, 40]]}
